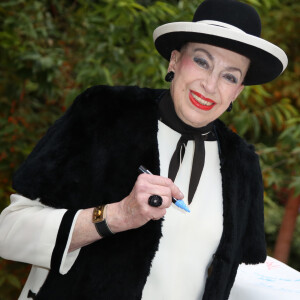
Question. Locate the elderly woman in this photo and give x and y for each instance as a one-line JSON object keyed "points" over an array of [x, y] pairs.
{"points": [[86, 219]]}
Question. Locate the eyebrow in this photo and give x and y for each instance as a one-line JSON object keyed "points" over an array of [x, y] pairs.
{"points": [[229, 69], [206, 52]]}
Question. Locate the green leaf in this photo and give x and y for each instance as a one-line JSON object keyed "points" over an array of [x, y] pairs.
{"points": [[13, 280]]}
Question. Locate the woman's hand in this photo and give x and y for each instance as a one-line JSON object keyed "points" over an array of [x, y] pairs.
{"points": [[134, 210]]}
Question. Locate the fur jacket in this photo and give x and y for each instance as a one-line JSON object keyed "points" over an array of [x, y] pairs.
{"points": [[90, 156]]}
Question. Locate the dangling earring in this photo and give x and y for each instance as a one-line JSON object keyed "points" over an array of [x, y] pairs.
{"points": [[170, 76], [229, 107]]}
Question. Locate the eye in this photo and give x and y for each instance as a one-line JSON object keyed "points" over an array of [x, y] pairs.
{"points": [[201, 62], [231, 78]]}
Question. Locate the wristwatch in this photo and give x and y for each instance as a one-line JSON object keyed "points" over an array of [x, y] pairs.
{"points": [[100, 221]]}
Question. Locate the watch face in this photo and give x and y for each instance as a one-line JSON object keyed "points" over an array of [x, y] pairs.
{"points": [[98, 214]]}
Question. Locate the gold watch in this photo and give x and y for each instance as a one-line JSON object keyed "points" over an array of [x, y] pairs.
{"points": [[100, 221]]}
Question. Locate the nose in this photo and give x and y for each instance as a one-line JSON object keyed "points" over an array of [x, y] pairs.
{"points": [[209, 83]]}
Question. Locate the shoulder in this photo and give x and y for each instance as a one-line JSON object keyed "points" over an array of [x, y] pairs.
{"points": [[108, 95], [104, 100], [232, 145], [238, 157]]}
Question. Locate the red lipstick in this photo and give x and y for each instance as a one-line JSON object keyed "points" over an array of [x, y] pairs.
{"points": [[199, 105]]}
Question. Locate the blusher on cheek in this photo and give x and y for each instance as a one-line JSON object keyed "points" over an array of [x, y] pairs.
{"points": [[186, 61], [187, 65]]}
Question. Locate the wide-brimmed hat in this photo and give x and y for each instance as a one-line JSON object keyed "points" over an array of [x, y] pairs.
{"points": [[228, 24]]}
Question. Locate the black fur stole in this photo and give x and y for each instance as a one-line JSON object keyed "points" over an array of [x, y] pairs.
{"points": [[91, 155]]}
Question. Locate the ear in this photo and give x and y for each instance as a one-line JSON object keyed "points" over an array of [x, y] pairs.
{"points": [[173, 60], [238, 91]]}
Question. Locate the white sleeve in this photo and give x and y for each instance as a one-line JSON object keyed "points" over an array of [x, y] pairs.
{"points": [[28, 233]]}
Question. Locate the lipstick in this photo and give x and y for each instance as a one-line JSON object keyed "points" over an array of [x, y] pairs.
{"points": [[192, 95]]}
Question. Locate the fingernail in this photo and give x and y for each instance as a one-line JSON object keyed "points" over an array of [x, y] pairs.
{"points": [[181, 195]]}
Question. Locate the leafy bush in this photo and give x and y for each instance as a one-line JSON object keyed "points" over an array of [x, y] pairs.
{"points": [[50, 50]]}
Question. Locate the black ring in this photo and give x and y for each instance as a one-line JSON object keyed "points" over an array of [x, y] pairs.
{"points": [[155, 200]]}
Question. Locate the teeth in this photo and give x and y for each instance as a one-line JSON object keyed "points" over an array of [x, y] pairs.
{"points": [[201, 101]]}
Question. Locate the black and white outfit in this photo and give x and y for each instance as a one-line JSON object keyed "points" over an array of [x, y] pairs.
{"points": [[81, 151], [91, 155]]}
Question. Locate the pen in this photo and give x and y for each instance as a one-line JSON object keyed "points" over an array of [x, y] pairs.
{"points": [[177, 202]]}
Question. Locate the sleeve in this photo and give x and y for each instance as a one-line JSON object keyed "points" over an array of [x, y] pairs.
{"points": [[33, 233], [254, 243]]}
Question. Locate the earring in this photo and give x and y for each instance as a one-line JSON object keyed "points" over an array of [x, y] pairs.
{"points": [[170, 76], [229, 107]]}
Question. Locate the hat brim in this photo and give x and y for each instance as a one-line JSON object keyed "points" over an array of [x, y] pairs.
{"points": [[267, 60]]}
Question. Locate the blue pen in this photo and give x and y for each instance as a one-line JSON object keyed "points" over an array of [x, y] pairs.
{"points": [[179, 203]]}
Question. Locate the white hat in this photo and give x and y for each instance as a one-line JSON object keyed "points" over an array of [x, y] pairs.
{"points": [[229, 24]]}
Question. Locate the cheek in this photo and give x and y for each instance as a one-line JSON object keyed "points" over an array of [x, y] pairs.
{"points": [[186, 68], [228, 94], [235, 93]]}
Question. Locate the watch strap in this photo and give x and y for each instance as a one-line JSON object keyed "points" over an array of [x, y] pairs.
{"points": [[103, 229]]}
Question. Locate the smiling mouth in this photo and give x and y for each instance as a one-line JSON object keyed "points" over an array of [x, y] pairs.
{"points": [[200, 101]]}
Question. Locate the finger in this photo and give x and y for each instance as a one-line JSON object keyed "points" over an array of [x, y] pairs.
{"points": [[144, 189], [163, 192], [158, 214], [156, 219], [163, 181], [156, 180], [176, 193]]}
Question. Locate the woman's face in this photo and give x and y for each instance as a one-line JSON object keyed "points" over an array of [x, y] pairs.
{"points": [[207, 79]]}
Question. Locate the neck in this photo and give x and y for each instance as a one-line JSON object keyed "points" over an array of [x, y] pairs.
{"points": [[170, 118]]}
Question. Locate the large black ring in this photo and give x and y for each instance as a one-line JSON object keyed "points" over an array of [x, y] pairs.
{"points": [[155, 200]]}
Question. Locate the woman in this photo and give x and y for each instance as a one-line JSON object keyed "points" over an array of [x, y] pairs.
{"points": [[91, 233]]}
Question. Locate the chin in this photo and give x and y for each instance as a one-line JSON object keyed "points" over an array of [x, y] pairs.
{"points": [[195, 122], [194, 119]]}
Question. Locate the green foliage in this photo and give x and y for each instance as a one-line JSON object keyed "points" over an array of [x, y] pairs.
{"points": [[12, 278], [268, 116], [50, 50]]}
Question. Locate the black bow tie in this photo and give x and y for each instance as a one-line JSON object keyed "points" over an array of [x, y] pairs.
{"points": [[199, 135], [198, 160]]}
